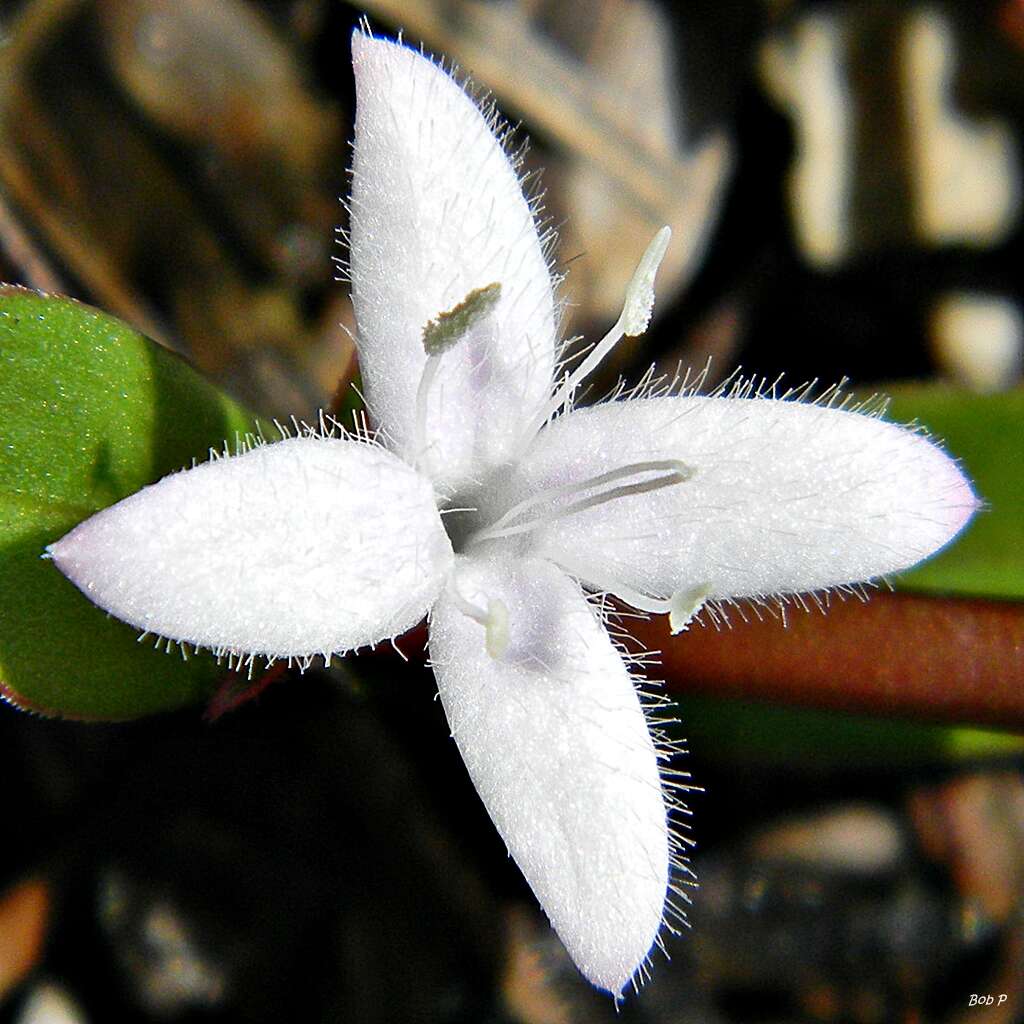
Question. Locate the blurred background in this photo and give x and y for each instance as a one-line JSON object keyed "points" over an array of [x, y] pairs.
{"points": [[844, 185]]}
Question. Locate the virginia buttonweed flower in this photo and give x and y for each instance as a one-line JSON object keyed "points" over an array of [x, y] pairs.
{"points": [[487, 502]]}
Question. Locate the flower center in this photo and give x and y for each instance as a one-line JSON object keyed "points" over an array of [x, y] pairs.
{"points": [[462, 524], [470, 533], [470, 520]]}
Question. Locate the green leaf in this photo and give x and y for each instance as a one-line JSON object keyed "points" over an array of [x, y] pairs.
{"points": [[90, 411], [986, 433], [751, 732]]}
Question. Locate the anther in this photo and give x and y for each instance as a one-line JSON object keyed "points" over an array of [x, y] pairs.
{"points": [[684, 605], [494, 621], [496, 628]]}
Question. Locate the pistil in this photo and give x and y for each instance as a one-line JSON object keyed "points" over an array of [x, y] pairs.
{"points": [[667, 473], [440, 336], [632, 321]]}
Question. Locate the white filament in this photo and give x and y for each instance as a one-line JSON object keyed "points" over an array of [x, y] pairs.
{"points": [[680, 607]]}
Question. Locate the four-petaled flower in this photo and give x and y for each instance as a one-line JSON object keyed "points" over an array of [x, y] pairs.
{"points": [[490, 504]]}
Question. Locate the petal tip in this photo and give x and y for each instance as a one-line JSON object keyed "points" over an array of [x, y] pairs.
{"points": [[617, 961], [366, 47], [61, 552], [965, 504], [363, 41], [954, 497]]}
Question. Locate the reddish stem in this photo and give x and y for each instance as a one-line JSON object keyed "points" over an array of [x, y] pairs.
{"points": [[951, 660]]}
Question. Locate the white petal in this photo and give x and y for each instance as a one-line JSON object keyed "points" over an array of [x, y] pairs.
{"points": [[558, 748], [437, 212], [782, 496], [306, 546]]}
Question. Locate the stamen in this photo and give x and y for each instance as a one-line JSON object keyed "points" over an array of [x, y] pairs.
{"points": [[494, 620], [633, 320], [441, 335], [681, 607], [672, 472]]}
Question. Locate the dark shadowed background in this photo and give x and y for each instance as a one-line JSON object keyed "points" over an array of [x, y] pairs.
{"points": [[844, 185]]}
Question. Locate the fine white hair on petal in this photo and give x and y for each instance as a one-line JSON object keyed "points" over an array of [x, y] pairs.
{"points": [[437, 211], [783, 497], [310, 545], [557, 745]]}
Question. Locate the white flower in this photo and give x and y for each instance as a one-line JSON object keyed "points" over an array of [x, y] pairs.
{"points": [[491, 506]]}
